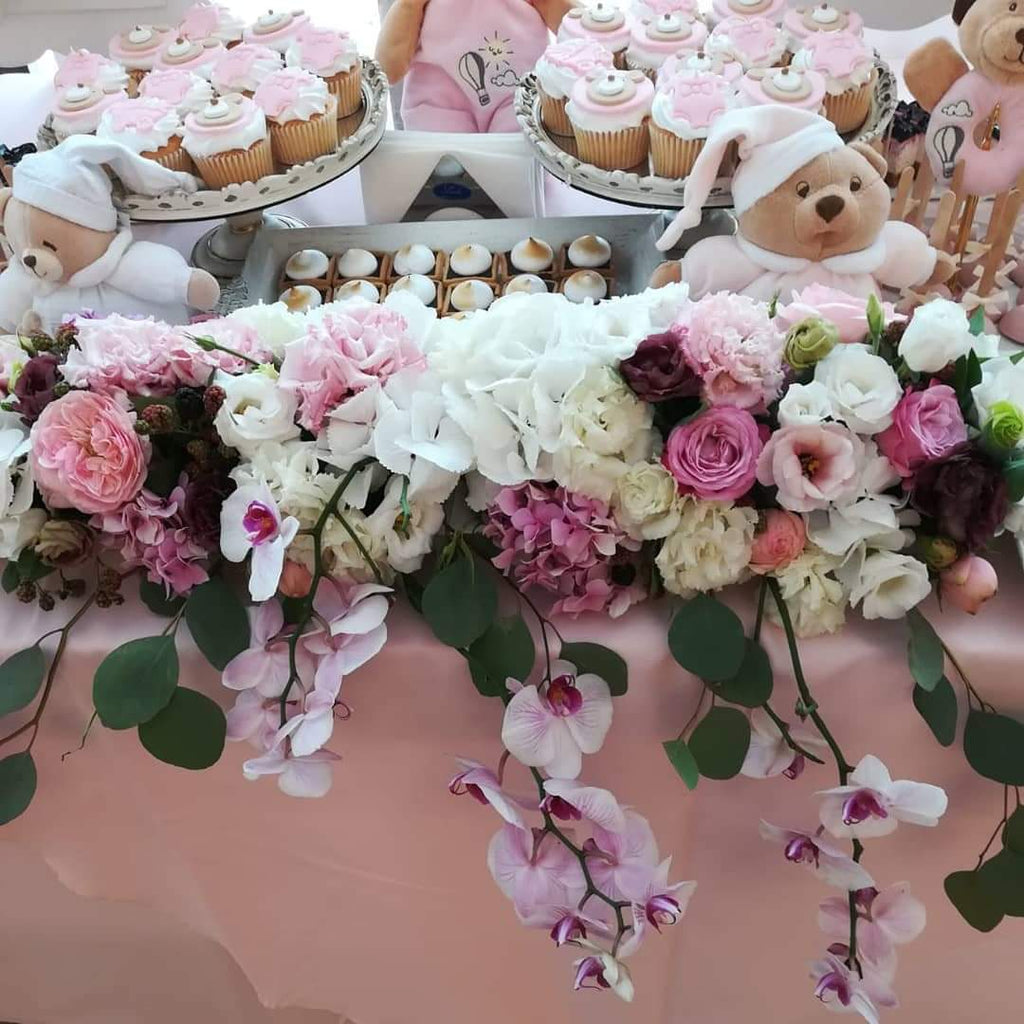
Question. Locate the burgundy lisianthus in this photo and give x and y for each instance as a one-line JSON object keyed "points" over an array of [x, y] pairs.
{"points": [[658, 369], [965, 494], [35, 384]]}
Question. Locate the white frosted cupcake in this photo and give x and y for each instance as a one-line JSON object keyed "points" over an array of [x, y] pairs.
{"points": [[149, 127], [559, 69], [184, 90], [610, 112], [848, 67], [196, 55], [228, 142], [754, 42], [212, 21], [820, 19], [276, 29], [602, 23], [723, 64], [78, 110], [789, 87], [650, 9], [724, 9], [80, 67], [245, 68], [137, 49], [333, 56], [657, 40], [683, 113], [302, 115]]}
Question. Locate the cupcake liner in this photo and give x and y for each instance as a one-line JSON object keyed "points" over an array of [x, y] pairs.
{"points": [[632, 64], [135, 77], [614, 151], [347, 89], [672, 156], [850, 109], [236, 165], [298, 142], [552, 113], [172, 156], [619, 57]]}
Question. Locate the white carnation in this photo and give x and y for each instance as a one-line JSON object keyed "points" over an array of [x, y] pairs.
{"points": [[805, 404], [814, 597], [646, 502], [862, 388], [888, 584], [938, 334], [255, 411]]}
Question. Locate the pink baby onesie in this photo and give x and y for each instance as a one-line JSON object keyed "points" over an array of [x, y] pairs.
{"points": [[471, 56]]}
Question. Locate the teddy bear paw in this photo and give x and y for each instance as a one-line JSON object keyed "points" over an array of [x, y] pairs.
{"points": [[203, 291]]}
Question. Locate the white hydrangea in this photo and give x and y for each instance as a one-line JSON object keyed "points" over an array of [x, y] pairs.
{"points": [[275, 324], [814, 596], [646, 503]]}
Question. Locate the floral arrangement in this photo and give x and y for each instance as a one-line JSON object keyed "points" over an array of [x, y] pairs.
{"points": [[274, 482]]}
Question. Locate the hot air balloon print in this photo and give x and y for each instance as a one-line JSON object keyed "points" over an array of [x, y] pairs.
{"points": [[948, 142], [472, 70]]}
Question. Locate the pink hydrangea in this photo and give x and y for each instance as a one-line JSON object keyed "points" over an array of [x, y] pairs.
{"points": [[345, 352], [736, 350], [150, 533], [565, 544]]}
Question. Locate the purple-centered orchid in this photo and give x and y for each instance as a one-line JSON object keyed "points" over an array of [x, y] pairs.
{"points": [[769, 755], [250, 521], [599, 969], [571, 800], [485, 787], [827, 860], [265, 667], [655, 903], [843, 990], [621, 863]]}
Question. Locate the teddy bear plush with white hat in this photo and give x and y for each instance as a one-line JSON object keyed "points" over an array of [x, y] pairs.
{"points": [[809, 209], [72, 251]]}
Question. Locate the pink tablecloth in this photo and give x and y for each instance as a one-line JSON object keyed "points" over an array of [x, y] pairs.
{"points": [[376, 903]]}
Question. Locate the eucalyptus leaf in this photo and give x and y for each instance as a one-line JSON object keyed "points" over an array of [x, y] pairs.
{"points": [[683, 761], [938, 708], [11, 578], [719, 743], [924, 651], [21, 675], [1003, 876], [752, 685], [218, 622], [994, 747], [1013, 833], [506, 649], [135, 681], [155, 598], [1013, 473], [601, 661], [188, 733], [978, 906], [706, 638], [486, 684], [17, 785], [460, 602]]}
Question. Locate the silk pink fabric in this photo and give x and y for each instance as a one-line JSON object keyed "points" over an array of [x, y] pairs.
{"points": [[376, 904]]}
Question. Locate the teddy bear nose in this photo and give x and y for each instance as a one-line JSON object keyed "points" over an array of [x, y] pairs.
{"points": [[829, 207], [1020, 36], [29, 261]]}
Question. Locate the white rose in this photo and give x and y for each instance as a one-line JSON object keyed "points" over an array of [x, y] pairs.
{"points": [[709, 549], [646, 503], [805, 403], [888, 584], [406, 541], [1014, 521], [254, 412], [814, 598], [1001, 381], [863, 388], [938, 334]]}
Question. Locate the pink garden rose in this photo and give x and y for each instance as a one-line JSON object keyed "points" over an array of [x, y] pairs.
{"points": [[849, 313], [714, 456], [813, 466], [86, 454], [927, 425], [781, 538]]}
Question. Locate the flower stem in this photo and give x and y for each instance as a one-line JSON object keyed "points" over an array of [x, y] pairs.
{"points": [[787, 736], [209, 345]]}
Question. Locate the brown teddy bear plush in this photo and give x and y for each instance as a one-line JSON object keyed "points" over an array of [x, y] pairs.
{"points": [[977, 116], [810, 210]]}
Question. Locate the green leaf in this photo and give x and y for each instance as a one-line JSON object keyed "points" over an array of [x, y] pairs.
{"points": [[994, 747], [188, 733], [977, 321], [21, 675], [938, 708], [707, 639], [970, 895], [720, 741], [135, 681], [11, 578], [506, 649], [486, 684], [876, 317], [31, 568], [601, 661], [1013, 833], [155, 598], [753, 684], [924, 651], [683, 761], [1003, 877], [218, 622], [460, 603], [1014, 475], [17, 785]]}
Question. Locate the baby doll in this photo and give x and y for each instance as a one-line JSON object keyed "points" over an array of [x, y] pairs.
{"points": [[462, 60]]}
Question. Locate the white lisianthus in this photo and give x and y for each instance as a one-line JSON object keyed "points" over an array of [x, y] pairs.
{"points": [[646, 503], [814, 597], [275, 324], [871, 520], [255, 411], [1014, 521], [938, 334], [709, 549], [19, 522], [406, 540], [12, 358], [862, 387], [1001, 381], [805, 403], [888, 584]]}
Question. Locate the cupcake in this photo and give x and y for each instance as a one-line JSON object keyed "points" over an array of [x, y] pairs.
{"points": [[681, 117], [307, 265], [212, 21], [228, 142], [651, 9], [667, 36], [525, 284], [788, 86], [748, 9], [723, 64], [184, 90], [196, 55], [604, 23], [609, 111], [302, 115], [78, 110], [803, 22], [754, 42], [333, 56], [849, 70], [149, 127], [276, 29], [244, 68], [80, 67], [137, 49], [558, 70]]}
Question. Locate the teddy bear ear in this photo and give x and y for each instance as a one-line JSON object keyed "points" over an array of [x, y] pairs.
{"points": [[960, 10], [873, 157]]}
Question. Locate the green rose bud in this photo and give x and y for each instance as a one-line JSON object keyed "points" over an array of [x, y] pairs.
{"points": [[1005, 426], [938, 552], [809, 342]]}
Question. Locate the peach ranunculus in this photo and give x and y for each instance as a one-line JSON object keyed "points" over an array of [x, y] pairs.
{"points": [[781, 538], [86, 454]]}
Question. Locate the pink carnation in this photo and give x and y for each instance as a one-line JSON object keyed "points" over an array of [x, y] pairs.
{"points": [[714, 456], [736, 350], [86, 455], [566, 544], [345, 352], [927, 425]]}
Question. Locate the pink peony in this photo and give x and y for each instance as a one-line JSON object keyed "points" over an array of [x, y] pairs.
{"points": [[927, 425], [714, 456], [813, 466], [849, 313], [86, 454], [736, 350], [781, 538], [345, 352], [969, 583]]}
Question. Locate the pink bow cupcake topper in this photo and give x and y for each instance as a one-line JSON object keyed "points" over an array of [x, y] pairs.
{"points": [[323, 50], [141, 115], [90, 69], [202, 20], [838, 53], [754, 41], [749, 8], [699, 98], [656, 8]]}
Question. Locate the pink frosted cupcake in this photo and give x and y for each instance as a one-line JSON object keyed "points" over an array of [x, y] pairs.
{"points": [[333, 56], [724, 9], [150, 127], [228, 142], [610, 113], [650, 9], [803, 22], [848, 67], [199, 56], [244, 68], [681, 117], [723, 64], [212, 21], [276, 29], [80, 67], [302, 115], [184, 90], [137, 49], [666, 36], [790, 87], [78, 110], [604, 23], [754, 42], [558, 70]]}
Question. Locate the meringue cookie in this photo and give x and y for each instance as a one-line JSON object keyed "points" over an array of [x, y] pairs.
{"points": [[307, 265], [583, 285], [415, 259], [301, 299], [357, 263], [357, 290], [471, 295], [528, 284], [416, 284], [532, 256], [590, 251], [471, 259]]}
